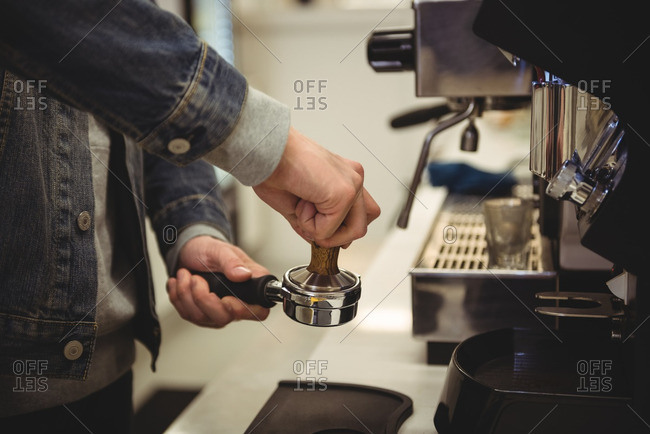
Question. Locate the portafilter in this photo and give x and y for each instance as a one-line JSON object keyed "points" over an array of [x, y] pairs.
{"points": [[319, 294]]}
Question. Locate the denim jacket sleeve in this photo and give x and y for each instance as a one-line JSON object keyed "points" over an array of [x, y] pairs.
{"points": [[180, 200], [140, 69]]}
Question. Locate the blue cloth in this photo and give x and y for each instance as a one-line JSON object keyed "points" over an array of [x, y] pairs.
{"points": [[465, 179]]}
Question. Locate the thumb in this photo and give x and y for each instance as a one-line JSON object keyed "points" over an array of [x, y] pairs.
{"points": [[232, 265], [238, 273], [209, 254]]}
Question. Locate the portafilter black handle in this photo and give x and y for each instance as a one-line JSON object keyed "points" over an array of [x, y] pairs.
{"points": [[252, 291]]}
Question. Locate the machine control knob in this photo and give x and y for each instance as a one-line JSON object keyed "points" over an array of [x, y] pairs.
{"points": [[582, 192], [391, 51]]}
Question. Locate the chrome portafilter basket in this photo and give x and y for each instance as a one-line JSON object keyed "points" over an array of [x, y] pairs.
{"points": [[319, 294]]}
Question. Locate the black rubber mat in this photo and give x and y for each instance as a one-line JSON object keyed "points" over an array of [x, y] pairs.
{"points": [[164, 406], [299, 408]]}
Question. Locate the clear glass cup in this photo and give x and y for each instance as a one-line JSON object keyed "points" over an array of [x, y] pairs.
{"points": [[508, 226]]}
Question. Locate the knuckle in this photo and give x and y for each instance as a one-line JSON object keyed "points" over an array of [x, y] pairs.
{"points": [[349, 192], [197, 318], [264, 314], [220, 324], [358, 168], [360, 232]]}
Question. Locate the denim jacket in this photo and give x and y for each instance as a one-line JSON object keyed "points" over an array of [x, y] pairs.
{"points": [[146, 75]]}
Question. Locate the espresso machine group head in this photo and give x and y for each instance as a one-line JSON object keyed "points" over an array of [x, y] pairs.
{"points": [[318, 294]]}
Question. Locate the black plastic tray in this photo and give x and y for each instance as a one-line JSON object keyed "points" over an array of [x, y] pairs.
{"points": [[297, 408]]}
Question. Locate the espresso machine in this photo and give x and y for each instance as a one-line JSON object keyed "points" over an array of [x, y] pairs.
{"points": [[454, 296], [562, 346]]}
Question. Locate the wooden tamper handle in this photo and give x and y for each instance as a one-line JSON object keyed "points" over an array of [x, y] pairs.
{"points": [[324, 260]]}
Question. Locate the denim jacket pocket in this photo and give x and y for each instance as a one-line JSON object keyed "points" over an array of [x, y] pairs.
{"points": [[48, 349]]}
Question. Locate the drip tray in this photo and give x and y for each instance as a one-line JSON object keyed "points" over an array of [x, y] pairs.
{"points": [[517, 380], [331, 408], [455, 292]]}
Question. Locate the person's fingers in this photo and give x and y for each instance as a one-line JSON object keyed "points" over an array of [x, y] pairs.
{"points": [[372, 207], [185, 301], [244, 311], [228, 261], [306, 213], [328, 220], [220, 312], [355, 226], [191, 296], [319, 222], [205, 253], [215, 312], [231, 262], [172, 283], [372, 212]]}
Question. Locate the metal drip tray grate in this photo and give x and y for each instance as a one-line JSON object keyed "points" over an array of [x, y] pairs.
{"points": [[456, 295], [456, 242]]}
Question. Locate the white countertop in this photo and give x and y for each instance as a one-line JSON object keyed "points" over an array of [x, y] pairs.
{"points": [[375, 349]]}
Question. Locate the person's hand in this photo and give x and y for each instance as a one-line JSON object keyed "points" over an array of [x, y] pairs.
{"points": [[190, 294], [321, 194]]}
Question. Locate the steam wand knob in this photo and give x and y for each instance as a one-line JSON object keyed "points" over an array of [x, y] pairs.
{"points": [[469, 139]]}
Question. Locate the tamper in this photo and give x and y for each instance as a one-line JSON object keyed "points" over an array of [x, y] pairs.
{"points": [[319, 294]]}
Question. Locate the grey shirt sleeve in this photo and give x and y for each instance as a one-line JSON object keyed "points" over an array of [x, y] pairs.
{"points": [[171, 258], [255, 146]]}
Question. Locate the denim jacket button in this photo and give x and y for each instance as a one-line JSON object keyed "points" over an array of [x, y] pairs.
{"points": [[73, 350], [83, 221], [178, 146]]}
